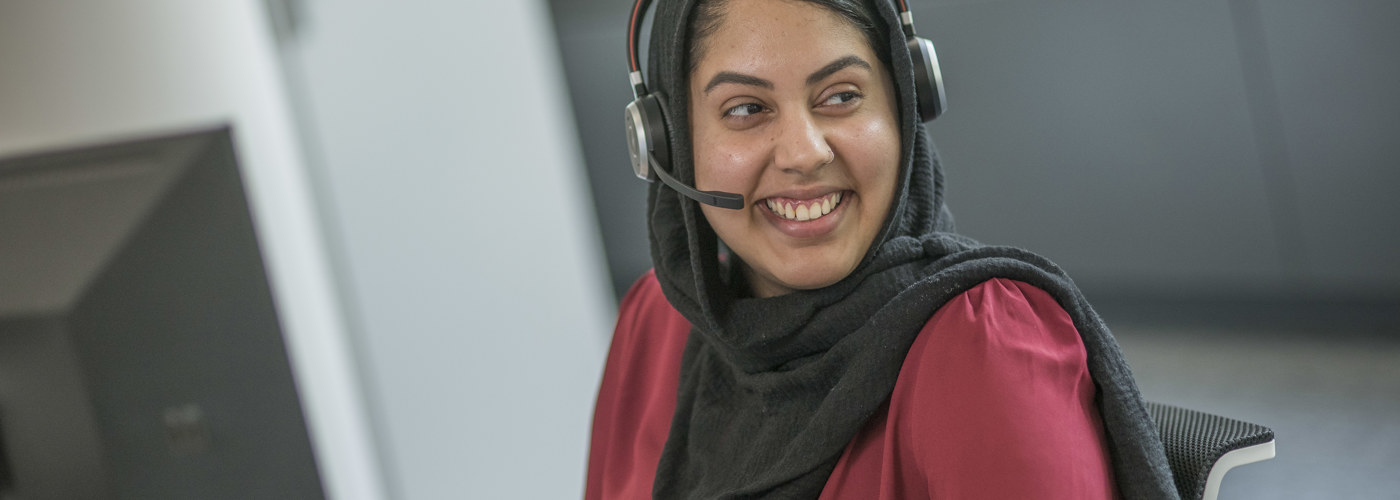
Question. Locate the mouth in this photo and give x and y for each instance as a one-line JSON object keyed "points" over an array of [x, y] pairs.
{"points": [[804, 210]]}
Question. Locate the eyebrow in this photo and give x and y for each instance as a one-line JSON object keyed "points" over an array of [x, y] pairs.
{"points": [[837, 65], [724, 77], [731, 77]]}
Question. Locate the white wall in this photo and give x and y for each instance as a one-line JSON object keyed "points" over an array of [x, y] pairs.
{"points": [[76, 72], [453, 176]]}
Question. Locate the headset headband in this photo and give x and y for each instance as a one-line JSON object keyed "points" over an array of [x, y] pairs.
{"points": [[634, 34]]}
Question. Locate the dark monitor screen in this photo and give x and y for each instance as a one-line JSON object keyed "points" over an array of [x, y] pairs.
{"points": [[141, 355]]}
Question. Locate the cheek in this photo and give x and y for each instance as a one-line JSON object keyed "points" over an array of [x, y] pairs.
{"points": [[724, 164], [875, 151], [879, 133]]}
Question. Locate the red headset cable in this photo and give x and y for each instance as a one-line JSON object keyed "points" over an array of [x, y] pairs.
{"points": [[639, 88]]}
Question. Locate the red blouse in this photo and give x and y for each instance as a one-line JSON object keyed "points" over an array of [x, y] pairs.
{"points": [[994, 400]]}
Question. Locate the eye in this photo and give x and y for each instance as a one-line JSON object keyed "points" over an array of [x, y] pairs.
{"points": [[744, 110], [842, 98]]}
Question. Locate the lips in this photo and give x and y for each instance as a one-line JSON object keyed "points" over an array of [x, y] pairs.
{"points": [[803, 210]]}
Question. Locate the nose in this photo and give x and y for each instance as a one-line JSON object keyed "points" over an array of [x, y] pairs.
{"points": [[801, 144]]}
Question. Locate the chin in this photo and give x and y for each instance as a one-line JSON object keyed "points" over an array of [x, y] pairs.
{"points": [[813, 282], [785, 281]]}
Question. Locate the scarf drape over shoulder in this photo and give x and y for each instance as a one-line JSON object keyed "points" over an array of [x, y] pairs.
{"points": [[772, 390]]}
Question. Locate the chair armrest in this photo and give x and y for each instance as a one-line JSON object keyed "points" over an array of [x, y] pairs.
{"points": [[1202, 447]]}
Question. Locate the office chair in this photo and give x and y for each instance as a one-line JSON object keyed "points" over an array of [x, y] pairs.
{"points": [[1202, 447]]}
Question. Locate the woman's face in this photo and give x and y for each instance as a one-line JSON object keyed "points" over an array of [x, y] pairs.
{"points": [[790, 107]]}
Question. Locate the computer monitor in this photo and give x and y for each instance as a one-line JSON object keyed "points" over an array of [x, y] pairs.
{"points": [[141, 355]]}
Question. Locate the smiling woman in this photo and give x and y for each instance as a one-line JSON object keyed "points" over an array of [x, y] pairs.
{"points": [[790, 107], [830, 336]]}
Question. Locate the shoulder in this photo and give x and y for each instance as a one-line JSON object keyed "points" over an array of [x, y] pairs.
{"points": [[997, 386], [649, 331], [644, 291], [998, 336], [637, 394], [644, 308], [1003, 305]]}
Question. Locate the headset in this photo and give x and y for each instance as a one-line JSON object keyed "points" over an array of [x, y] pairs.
{"points": [[648, 139]]}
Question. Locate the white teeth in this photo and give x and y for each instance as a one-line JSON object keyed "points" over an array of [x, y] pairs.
{"points": [[803, 213]]}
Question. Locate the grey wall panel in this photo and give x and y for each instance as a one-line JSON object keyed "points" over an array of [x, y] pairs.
{"points": [[1111, 136], [1337, 67]]}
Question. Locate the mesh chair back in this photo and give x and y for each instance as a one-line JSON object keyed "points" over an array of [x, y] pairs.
{"points": [[1196, 441]]}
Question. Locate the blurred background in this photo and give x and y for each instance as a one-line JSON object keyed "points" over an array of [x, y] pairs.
{"points": [[364, 250]]}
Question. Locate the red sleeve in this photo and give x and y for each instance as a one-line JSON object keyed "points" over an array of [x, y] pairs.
{"points": [[994, 401], [637, 396]]}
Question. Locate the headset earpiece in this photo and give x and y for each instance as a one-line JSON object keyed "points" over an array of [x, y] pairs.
{"points": [[647, 142], [647, 137], [928, 78]]}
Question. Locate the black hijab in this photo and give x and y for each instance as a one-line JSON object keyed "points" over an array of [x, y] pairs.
{"points": [[773, 389]]}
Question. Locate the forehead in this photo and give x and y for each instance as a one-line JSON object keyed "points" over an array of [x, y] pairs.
{"points": [[758, 34]]}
